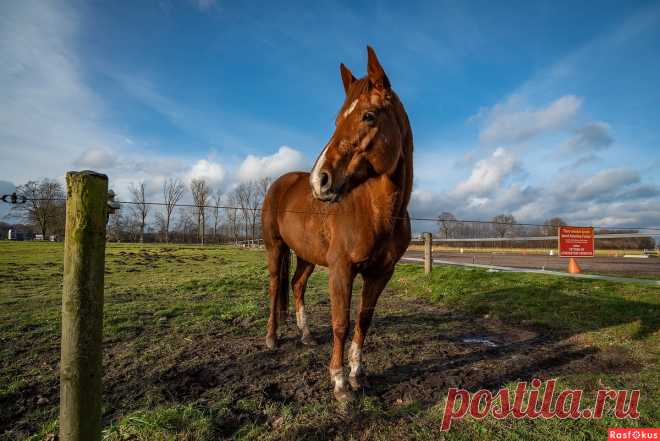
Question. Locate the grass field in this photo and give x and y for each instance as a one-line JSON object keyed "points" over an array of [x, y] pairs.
{"points": [[185, 360]]}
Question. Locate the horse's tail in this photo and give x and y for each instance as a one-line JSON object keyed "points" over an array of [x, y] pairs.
{"points": [[285, 263]]}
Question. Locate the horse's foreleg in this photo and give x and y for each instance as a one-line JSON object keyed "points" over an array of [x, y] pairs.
{"points": [[304, 269], [341, 284], [373, 286]]}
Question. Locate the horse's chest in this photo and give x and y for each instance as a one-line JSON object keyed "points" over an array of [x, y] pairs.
{"points": [[380, 252]]}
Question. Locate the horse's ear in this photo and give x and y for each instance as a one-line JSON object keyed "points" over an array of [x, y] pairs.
{"points": [[375, 71], [346, 76]]}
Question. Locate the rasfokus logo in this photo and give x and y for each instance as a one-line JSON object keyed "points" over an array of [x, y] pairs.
{"points": [[528, 400], [632, 433]]}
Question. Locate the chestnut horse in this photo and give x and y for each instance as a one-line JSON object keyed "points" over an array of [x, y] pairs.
{"points": [[349, 214]]}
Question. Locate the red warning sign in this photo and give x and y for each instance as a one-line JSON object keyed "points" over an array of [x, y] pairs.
{"points": [[576, 242]]}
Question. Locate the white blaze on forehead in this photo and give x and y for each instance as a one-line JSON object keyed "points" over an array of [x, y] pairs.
{"points": [[351, 108], [314, 176]]}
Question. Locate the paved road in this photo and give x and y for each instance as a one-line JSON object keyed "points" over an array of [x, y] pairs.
{"points": [[600, 265]]}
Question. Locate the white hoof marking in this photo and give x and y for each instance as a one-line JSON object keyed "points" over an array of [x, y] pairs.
{"points": [[355, 359], [337, 378], [301, 321]]}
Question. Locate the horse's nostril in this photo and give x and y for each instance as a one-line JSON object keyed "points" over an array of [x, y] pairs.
{"points": [[324, 180]]}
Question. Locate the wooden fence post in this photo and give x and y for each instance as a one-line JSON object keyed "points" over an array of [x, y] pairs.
{"points": [[428, 256], [82, 306]]}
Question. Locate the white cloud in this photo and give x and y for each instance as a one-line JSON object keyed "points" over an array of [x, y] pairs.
{"points": [[213, 172], [604, 183], [613, 197], [256, 167], [593, 136], [585, 161], [507, 122], [48, 115], [486, 192], [488, 174], [96, 159]]}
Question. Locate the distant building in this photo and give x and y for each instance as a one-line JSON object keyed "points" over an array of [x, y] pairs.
{"points": [[14, 234]]}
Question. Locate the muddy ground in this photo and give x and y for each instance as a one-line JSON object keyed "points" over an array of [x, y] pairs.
{"points": [[414, 353]]}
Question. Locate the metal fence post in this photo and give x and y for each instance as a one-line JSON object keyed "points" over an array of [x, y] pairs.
{"points": [[428, 256], [82, 307]]}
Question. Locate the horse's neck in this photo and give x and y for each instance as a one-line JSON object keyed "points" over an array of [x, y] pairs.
{"points": [[389, 195]]}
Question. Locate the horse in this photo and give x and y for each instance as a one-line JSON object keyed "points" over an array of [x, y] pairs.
{"points": [[348, 214]]}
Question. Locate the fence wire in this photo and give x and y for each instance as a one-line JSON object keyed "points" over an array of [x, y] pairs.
{"points": [[5, 198]]}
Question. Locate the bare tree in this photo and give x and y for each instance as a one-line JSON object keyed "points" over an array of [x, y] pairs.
{"points": [[200, 192], [551, 227], [173, 190], [45, 203], [250, 197], [232, 215], [185, 225], [215, 211], [262, 187], [503, 224], [140, 206], [259, 189], [161, 228], [133, 226], [244, 198], [117, 225], [446, 223]]}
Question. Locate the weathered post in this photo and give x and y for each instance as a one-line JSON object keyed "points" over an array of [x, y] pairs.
{"points": [[428, 256], [82, 306]]}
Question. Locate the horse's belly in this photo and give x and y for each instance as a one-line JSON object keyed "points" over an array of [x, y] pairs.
{"points": [[304, 234], [307, 247]]}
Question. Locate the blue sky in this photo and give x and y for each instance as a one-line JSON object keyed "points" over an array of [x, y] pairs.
{"points": [[532, 108]]}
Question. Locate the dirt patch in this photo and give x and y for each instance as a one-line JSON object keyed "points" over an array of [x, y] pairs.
{"points": [[415, 351], [151, 258]]}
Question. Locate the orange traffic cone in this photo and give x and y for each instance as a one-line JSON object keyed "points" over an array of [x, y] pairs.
{"points": [[573, 266]]}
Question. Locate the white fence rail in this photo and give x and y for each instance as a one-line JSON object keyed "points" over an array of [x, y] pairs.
{"points": [[532, 238]]}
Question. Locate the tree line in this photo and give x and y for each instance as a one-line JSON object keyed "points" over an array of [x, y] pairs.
{"points": [[165, 218], [202, 221], [505, 226]]}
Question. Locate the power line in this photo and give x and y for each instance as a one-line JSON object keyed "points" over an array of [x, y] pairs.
{"points": [[328, 213]]}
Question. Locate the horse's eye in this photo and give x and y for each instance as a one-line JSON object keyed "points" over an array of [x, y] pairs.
{"points": [[369, 118]]}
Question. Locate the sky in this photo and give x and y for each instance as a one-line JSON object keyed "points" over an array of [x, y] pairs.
{"points": [[538, 109]]}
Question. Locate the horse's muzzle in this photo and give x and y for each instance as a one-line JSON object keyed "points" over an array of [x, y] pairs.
{"points": [[322, 189]]}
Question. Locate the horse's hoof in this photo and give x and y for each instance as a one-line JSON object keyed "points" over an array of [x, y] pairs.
{"points": [[344, 395], [308, 340], [358, 381], [271, 343]]}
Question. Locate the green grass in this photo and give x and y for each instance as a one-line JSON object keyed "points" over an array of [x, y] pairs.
{"points": [[169, 310]]}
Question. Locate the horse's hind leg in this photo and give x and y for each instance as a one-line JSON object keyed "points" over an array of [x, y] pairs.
{"points": [[373, 286], [304, 269], [278, 289]]}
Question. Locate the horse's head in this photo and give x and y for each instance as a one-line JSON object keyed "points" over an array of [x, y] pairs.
{"points": [[368, 138]]}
